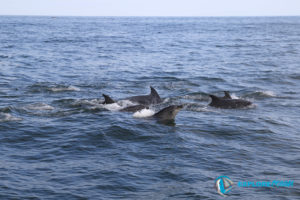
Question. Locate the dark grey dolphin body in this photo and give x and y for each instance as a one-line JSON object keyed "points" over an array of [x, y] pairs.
{"points": [[220, 102], [152, 98], [168, 114], [134, 108], [108, 100], [143, 101]]}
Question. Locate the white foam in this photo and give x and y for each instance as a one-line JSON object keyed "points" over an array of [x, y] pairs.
{"points": [[143, 113], [196, 97], [111, 107], [118, 105], [40, 106], [62, 89], [233, 96], [268, 93], [166, 100], [4, 117], [251, 106]]}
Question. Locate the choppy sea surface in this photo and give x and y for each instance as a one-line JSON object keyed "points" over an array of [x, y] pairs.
{"points": [[58, 142]]}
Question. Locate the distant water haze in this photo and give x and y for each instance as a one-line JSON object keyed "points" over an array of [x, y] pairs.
{"points": [[151, 8]]}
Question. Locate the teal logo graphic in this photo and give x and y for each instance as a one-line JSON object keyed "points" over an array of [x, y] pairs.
{"points": [[223, 185]]}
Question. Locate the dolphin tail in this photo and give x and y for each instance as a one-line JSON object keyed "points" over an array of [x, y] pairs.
{"points": [[227, 95], [107, 99]]}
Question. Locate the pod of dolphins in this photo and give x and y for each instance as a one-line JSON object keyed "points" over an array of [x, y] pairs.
{"points": [[169, 113]]}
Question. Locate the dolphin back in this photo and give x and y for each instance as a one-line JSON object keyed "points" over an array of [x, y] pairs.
{"points": [[152, 98], [228, 103]]}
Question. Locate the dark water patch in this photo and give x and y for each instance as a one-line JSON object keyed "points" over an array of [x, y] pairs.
{"points": [[25, 56], [60, 113], [201, 96], [274, 122], [9, 46], [120, 133], [64, 40], [197, 107], [295, 76], [7, 109], [213, 79], [3, 56], [165, 78], [63, 102]]}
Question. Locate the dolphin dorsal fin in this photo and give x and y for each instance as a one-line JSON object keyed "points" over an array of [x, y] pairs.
{"points": [[107, 99], [227, 95], [153, 92], [214, 98]]}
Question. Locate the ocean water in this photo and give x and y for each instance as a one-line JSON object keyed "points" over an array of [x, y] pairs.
{"points": [[58, 142]]}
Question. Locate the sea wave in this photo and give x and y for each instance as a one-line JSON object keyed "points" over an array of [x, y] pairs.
{"points": [[261, 94], [63, 88], [96, 104], [50, 87], [6, 117], [39, 106]]}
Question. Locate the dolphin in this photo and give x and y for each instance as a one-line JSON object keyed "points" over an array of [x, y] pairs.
{"points": [[152, 98], [168, 114], [109, 100], [219, 102]]}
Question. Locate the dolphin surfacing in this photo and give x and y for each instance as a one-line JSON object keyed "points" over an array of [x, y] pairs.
{"points": [[152, 98], [221, 102], [169, 113]]}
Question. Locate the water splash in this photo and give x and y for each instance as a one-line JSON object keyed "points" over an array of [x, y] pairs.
{"points": [[143, 113]]}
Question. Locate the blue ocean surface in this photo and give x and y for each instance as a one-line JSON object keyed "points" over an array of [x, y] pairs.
{"points": [[57, 141]]}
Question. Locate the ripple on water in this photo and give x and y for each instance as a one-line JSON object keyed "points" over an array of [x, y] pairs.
{"points": [[261, 94]]}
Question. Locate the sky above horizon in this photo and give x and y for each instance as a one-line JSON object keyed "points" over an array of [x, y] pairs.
{"points": [[151, 7]]}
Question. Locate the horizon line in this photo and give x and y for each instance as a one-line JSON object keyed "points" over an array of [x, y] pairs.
{"points": [[19, 15]]}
